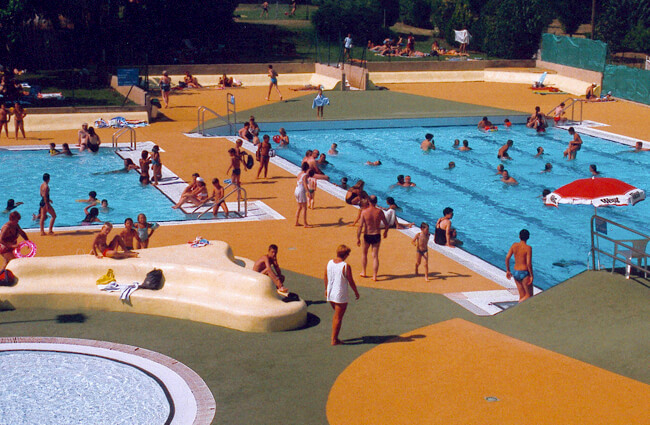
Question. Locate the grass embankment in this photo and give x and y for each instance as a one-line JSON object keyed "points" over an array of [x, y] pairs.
{"points": [[79, 88], [280, 37]]}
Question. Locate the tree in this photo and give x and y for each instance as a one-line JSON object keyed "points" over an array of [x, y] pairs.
{"points": [[623, 21], [513, 28], [457, 16], [573, 13]]}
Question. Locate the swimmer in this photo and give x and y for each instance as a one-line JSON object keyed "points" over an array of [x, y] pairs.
{"points": [[53, 151], [500, 169], [545, 193], [92, 199], [145, 161], [344, 183], [373, 163], [104, 206], [333, 150], [638, 147], [91, 216], [547, 167], [428, 143], [407, 182], [507, 123], [503, 150], [444, 233], [574, 145], [507, 179], [484, 124], [284, 139], [456, 144], [593, 170], [465, 146], [66, 150], [540, 152], [421, 243], [11, 204], [103, 249], [451, 165]]}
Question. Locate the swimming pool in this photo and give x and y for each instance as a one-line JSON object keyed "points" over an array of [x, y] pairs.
{"points": [[53, 387], [71, 179], [487, 213]]}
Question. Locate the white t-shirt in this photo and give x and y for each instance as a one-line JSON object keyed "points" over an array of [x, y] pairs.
{"points": [[348, 42]]}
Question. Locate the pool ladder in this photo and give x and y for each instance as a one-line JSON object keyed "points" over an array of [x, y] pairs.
{"points": [[121, 132], [230, 108], [572, 102], [236, 189]]}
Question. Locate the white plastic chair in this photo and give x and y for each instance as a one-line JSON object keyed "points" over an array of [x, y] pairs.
{"points": [[637, 251]]}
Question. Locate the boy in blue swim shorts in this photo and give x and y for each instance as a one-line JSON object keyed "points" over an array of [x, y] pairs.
{"points": [[523, 272]]}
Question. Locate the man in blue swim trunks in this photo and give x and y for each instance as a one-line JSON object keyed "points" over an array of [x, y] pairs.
{"points": [[523, 272]]}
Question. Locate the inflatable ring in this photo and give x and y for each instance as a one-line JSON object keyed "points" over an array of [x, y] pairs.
{"points": [[32, 249], [277, 138], [493, 128]]}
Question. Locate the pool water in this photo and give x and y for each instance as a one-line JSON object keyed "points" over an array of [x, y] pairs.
{"points": [[72, 178], [47, 387], [487, 213]]}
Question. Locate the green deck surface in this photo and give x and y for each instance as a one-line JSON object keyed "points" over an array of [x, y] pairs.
{"points": [[364, 105], [285, 377]]}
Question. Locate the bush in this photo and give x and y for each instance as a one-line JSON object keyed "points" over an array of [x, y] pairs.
{"points": [[363, 18], [623, 24], [416, 13], [456, 16]]}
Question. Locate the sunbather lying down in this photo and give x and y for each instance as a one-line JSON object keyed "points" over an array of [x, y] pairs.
{"points": [[308, 87]]}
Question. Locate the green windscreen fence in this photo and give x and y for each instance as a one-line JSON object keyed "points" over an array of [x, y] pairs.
{"points": [[627, 83], [576, 52]]}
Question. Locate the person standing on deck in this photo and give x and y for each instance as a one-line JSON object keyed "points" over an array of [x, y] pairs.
{"points": [[523, 272]]}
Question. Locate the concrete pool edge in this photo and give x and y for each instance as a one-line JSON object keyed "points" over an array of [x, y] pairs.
{"points": [[193, 402]]}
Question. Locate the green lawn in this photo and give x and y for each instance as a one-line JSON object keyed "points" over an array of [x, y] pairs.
{"points": [[79, 89]]}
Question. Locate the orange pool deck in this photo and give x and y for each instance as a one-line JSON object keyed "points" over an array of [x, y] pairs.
{"points": [[475, 358]]}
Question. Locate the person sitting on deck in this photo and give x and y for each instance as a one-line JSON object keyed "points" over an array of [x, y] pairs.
{"points": [[191, 81], [268, 265], [103, 249]]}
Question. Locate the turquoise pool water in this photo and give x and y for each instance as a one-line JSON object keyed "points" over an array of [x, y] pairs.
{"points": [[487, 213], [47, 387], [71, 179]]}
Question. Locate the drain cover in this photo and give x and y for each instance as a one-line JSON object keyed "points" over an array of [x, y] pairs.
{"points": [[491, 399]]}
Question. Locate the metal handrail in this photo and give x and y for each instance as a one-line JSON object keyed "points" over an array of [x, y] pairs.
{"points": [[119, 133], [595, 247], [200, 118], [237, 190], [571, 105]]}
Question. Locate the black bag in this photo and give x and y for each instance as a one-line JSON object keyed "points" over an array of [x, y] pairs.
{"points": [[250, 162], [291, 297], [154, 280]]}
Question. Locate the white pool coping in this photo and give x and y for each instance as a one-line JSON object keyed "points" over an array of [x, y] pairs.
{"points": [[193, 403]]}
